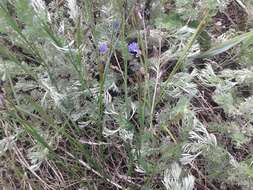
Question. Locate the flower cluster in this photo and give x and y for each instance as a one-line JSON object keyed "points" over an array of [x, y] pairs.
{"points": [[133, 48], [103, 48]]}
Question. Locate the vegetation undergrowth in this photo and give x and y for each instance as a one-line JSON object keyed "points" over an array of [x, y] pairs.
{"points": [[124, 94]]}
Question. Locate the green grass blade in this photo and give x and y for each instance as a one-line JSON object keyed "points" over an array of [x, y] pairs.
{"points": [[220, 48]]}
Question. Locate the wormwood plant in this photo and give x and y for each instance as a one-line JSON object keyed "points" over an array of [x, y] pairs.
{"points": [[125, 95]]}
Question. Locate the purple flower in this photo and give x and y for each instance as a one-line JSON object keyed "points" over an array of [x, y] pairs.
{"points": [[103, 48], [133, 48]]}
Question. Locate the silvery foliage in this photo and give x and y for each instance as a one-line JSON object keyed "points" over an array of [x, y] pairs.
{"points": [[173, 181], [189, 9], [7, 143], [227, 83], [38, 5], [122, 118], [37, 155], [182, 85], [73, 9], [40, 8], [200, 139]]}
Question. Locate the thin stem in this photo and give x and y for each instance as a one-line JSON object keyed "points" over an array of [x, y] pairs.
{"points": [[184, 53], [156, 85]]}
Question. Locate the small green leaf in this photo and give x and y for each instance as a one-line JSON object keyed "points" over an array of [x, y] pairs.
{"points": [[171, 21]]}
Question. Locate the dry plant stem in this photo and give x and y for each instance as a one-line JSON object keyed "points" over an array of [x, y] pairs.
{"points": [[202, 176], [94, 143], [57, 173], [26, 165], [94, 171], [119, 67], [171, 135], [156, 86], [128, 180]]}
